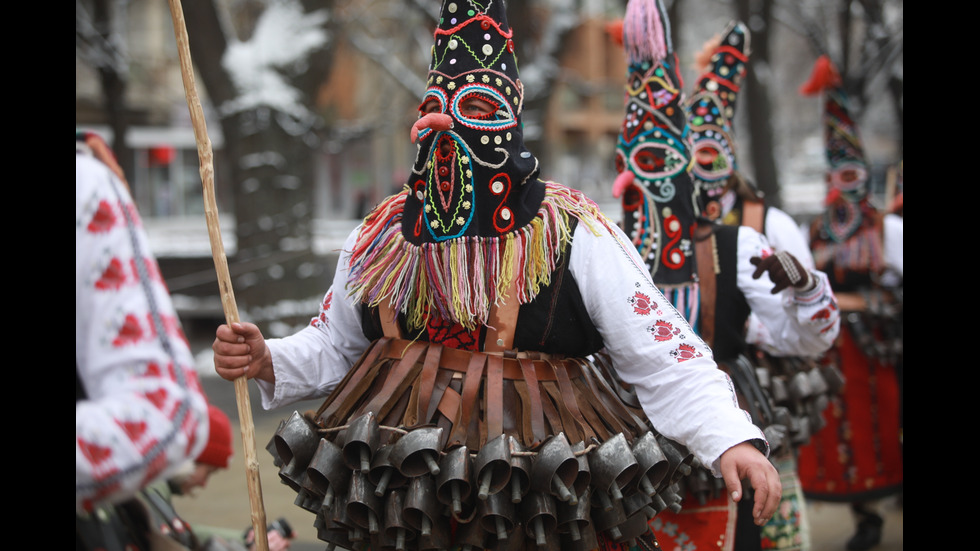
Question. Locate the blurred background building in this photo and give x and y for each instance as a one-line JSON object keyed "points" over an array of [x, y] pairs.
{"points": [[309, 104]]}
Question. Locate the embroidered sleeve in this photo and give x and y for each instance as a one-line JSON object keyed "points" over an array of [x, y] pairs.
{"points": [[144, 413], [654, 349]]}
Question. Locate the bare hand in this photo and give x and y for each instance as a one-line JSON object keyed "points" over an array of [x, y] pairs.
{"points": [[745, 461], [784, 271], [239, 349]]}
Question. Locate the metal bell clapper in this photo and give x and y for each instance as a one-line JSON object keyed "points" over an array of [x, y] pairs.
{"points": [[573, 520], [672, 497], [613, 468], [496, 515], [539, 511], [609, 520], [327, 472], [417, 452], [492, 467], [520, 470], [421, 507], [360, 440], [295, 442], [555, 468], [652, 461], [383, 474], [307, 497], [453, 483], [396, 529], [363, 507]]}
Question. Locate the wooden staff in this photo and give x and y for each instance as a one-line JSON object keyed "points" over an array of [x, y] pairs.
{"points": [[221, 266]]}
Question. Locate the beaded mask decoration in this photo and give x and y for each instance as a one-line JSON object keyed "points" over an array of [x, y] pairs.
{"points": [[711, 113], [653, 153], [847, 175], [847, 236], [472, 171], [474, 219]]}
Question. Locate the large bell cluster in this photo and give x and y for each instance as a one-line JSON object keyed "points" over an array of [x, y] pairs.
{"points": [[377, 487]]}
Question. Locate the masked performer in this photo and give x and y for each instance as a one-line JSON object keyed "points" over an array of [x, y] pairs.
{"points": [[857, 457], [469, 305], [710, 272], [800, 388]]}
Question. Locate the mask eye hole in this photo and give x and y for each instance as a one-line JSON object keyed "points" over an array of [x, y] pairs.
{"points": [[649, 162], [478, 107], [706, 155], [620, 163], [430, 105]]}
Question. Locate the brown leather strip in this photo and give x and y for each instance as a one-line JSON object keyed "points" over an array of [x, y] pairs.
{"points": [[449, 406], [495, 396], [551, 415], [470, 393], [534, 399], [427, 380], [567, 395], [411, 415], [402, 370], [354, 384], [441, 386], [704, 248], [600, 389], [567, 423], [524, 409], [594, 425], [458, 360]]}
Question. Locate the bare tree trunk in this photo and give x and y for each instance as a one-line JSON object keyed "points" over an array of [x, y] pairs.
{"points": [[757, 102], [270, 169], [113, 89]]}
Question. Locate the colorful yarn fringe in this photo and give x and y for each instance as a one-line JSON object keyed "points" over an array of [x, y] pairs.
{"points": [[461, 279]]}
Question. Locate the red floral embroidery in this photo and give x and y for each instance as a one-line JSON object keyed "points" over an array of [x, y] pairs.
{"points": [[129, 333], [113, 277], [663, 330], [134, 429], [104, 218], [685, 352], [642, 304], [321, 320], [93, 452]]}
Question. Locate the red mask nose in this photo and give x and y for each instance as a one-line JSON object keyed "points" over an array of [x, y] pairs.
{"points": [[435, 121]]}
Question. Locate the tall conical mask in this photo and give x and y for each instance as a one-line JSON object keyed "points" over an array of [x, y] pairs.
{"points": [[711, 114], [847, 175], [473, 176], [848, 170], [653, 154]]}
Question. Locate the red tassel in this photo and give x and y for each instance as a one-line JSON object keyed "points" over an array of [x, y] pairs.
{"points": [[615, 31], [823, 77]]}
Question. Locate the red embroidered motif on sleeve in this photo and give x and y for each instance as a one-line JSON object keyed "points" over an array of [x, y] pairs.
{"points": [[663, 330], [685, 352], [321, 320]]}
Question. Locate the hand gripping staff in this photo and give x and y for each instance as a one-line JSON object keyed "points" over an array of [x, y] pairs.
{"points": [[221, 266]]}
